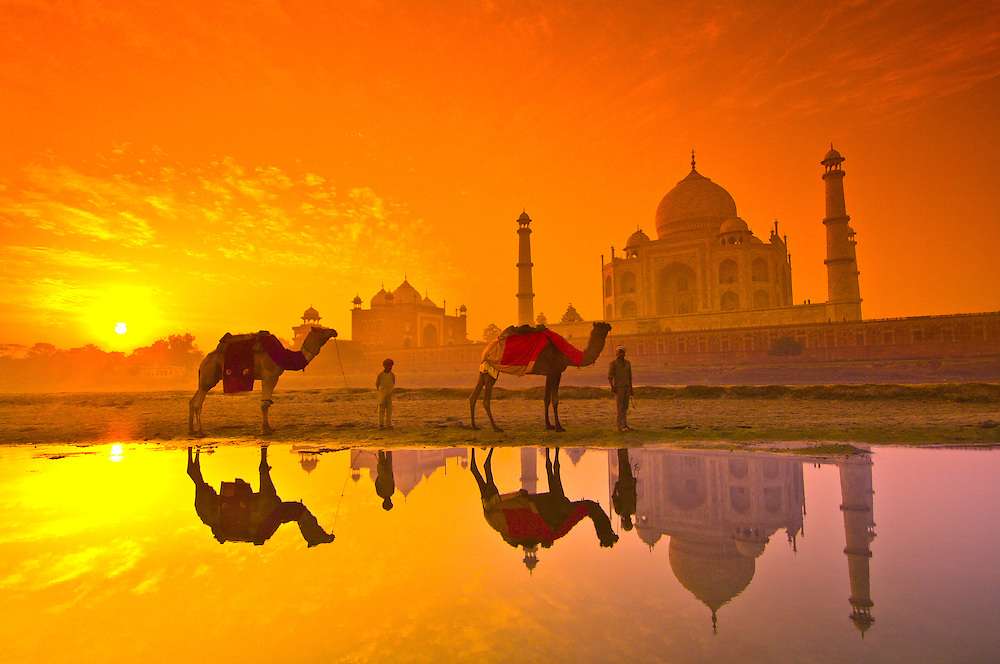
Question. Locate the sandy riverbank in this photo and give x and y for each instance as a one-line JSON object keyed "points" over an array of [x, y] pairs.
{"points": [[915, 415]]}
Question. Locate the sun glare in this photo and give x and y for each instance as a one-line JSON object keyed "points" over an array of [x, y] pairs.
{"points": [[122, 316], [117, 452]]}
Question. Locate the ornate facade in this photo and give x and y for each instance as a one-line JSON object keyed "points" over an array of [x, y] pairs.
{"points": [[707, 261], [403, 319]]}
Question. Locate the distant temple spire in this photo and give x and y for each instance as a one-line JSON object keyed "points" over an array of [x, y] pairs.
{"points": [[692, 159]]}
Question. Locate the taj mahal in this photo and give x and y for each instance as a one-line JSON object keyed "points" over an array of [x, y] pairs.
{"points": [[706, 268]]}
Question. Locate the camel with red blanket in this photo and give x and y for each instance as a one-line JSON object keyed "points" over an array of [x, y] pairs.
{"points": [[532, 519], [241, 359], [538, 351]]}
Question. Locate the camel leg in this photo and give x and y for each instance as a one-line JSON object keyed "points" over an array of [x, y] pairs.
{"points": [[548, 400], [194, 466], [473, 398], [488, 467], [266, 485], [487, 488], [267, 386], [194, 412], [487, 398], [209, 374], [553, 475], [555, 405]]}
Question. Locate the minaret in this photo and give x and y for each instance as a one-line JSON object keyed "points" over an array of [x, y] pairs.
{"points": [[843, 291], [529, 469], [525, 297], [859, 531]]}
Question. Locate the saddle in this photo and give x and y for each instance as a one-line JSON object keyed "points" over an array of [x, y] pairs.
{"points": [[237, 358]]}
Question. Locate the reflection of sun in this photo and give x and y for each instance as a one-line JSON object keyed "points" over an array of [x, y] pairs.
{"points": [[121, 328]]}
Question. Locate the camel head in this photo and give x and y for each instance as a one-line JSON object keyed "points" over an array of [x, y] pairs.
{"points": [[598, 335], [316, 338]]}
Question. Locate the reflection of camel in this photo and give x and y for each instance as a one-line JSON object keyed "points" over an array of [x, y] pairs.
{"points": [[264, 369], [533, 519], [236, 514], [550, 362]]}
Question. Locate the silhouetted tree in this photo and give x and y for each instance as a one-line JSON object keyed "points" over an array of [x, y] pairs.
{"points": [[491, 332]]}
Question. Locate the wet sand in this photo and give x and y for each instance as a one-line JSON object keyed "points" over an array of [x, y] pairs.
{"points": [[962, 415]]}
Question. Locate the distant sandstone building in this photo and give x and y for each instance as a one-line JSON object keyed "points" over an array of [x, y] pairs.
{"points": [[707, 269], [403, 319]]}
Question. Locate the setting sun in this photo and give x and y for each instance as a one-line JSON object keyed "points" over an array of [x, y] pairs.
{"points": [[121, 328]]}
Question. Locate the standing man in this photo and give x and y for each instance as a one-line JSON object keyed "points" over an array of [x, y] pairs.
{"points": [[620, 378], [385, 383]]}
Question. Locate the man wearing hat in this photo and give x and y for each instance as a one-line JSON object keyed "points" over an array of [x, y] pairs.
{"points": [[620, 378]]}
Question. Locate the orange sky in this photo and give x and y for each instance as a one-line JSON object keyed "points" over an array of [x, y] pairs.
{"points": [[216, 166]]}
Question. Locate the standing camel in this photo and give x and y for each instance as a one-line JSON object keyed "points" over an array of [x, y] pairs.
{"points": [[265, 369], [544, 353]]}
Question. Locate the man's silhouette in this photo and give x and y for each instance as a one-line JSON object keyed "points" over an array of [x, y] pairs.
{"points": [[623, 497], [237, 514], [385, 481]]}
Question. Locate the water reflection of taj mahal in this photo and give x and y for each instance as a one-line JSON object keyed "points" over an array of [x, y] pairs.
{"points": [[721, 510]]}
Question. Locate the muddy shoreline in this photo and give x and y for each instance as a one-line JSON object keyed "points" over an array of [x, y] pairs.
{"points": [[929, 415]]}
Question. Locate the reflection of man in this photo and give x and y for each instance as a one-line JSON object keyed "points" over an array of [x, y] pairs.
{"points": [[620, 378], [237, 514], [533, 519], [385, 482], [623, 496]]}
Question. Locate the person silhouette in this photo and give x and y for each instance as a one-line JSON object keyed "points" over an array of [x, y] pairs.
{"points": [[385, 482], [236, 514], [532, 519], [623, 497]]}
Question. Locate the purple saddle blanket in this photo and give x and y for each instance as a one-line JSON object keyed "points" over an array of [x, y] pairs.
{"points": [[237, 371]]}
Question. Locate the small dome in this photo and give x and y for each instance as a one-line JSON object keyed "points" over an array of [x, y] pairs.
{"points": [[832, 156], [308, 462], [381, 297], [310, 314], [694, 203], [733, 225], [524, 218], [635, 239], [462, 309], [429, 302], [356, 300], [405, 293], [750, 548], [649, 535]]}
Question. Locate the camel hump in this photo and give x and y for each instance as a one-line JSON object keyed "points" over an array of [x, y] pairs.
{"points": [[522, 329]]}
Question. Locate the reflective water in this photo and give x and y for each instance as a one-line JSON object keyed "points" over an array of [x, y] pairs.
{"points": [[131, 552]]}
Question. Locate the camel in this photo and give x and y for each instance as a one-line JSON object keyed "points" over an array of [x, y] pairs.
{"points": [[551, 362], [532, 519], [264, 369], [237, 514]]}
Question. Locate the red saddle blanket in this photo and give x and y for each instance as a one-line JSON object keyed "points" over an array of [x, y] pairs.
{"points": [[237, 365], [515, 351], [521, 522]]}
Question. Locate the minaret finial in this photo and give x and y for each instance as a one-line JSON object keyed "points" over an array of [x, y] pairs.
{"points": [[692, 159]]}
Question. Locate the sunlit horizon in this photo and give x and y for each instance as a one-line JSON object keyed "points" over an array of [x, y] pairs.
{"points": [[179, 179]]}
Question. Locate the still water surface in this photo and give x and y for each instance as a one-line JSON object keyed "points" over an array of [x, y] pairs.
{"points": [[132, 552]]}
